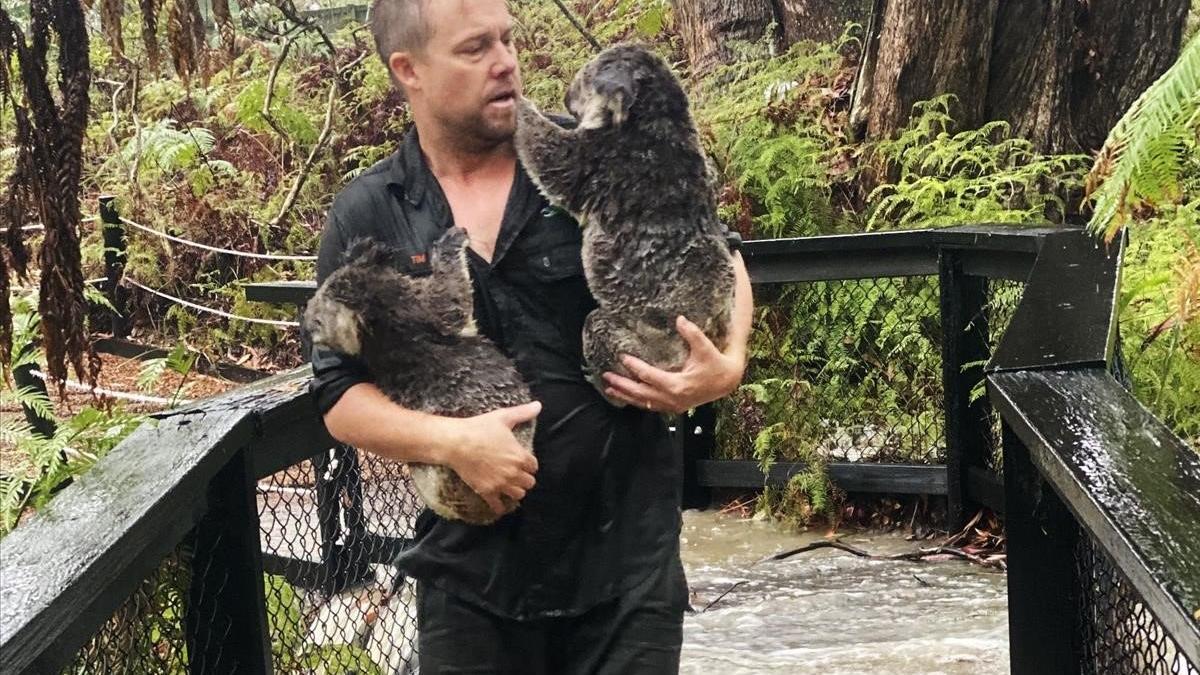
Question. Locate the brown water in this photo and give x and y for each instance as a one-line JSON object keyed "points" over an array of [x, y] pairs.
{"points": [[828, 612]]}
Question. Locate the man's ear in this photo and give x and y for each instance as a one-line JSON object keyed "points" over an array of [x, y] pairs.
{"points": [[401, 66]]}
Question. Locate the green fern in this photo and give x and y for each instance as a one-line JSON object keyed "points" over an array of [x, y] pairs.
{"points": [[1142, 162], [983, 175]]}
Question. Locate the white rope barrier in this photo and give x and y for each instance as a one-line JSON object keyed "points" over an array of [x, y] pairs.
{"points": [[215, 249], [210, 310], [284, 489], [123, 395]]}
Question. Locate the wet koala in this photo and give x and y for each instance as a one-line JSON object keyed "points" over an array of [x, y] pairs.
{"points": [[634, 175], [417, 337]]}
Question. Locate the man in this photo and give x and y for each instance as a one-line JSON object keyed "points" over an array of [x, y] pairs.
{"points": [[584, 577]]}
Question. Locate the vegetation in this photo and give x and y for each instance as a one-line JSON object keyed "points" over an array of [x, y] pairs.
{"points": [[245, 152]]}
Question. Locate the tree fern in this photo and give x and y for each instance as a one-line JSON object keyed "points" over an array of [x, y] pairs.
{"points": [[1142, 161]]}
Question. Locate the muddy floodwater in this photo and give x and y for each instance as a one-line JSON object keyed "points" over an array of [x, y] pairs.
{"points": [[828, 612]]}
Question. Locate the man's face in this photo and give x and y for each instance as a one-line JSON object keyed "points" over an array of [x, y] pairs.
{"points": [[467, 76]]}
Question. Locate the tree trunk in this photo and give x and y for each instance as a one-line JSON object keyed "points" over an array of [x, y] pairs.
{"points": [[708, 27], [1062, 72], [1031, 55], [819, 20], [1122, 47], [921, 49]]}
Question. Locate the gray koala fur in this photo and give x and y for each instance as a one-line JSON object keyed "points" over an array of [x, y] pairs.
{"points": [[418, 339], [634, 175]]}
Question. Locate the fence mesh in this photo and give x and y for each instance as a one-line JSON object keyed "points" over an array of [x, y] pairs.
{"points": [[1003, 296], [147, 633], [330, 530], [1119, 634], [843, 371]]}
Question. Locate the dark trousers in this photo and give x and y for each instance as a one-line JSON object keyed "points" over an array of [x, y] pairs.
{"points": [[639, 633]]}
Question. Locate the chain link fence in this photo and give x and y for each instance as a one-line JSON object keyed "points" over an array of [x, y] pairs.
{"points": [[330, 529], [147, 632], [1119, 634], [847, 371], [1003, 298]]}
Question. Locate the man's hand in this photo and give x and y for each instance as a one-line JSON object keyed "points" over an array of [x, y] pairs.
{"points": [[490, 459], [708, 374]]}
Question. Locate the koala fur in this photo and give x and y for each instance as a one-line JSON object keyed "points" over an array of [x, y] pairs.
{"points": [[418, 339], [634, 175]]}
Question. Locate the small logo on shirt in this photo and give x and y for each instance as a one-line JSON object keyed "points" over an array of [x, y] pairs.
{"points": [[418, 259]]}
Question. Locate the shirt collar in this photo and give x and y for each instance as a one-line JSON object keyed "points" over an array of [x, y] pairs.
{"points": [[408, 171]]}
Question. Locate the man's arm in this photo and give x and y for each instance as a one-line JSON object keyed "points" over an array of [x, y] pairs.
{"points": [[482, 450], [708, 373]]}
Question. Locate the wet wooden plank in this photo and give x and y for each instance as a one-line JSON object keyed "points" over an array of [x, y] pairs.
{"points": [[70, 566], [1132, 484]]}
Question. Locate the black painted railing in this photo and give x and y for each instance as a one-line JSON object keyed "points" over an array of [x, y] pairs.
{"points": [[237, 537], [1103, 501]]}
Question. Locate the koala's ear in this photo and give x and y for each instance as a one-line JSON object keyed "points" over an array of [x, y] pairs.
{"points": [[370, 253], [615, 92]]}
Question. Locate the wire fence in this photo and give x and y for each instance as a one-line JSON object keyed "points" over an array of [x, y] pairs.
{"points": [[1119, 634], [842, 370], [331, 528], [277, 323], [217, 249]]}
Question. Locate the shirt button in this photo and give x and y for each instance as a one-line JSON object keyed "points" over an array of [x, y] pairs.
{"points": [[545, 261]]}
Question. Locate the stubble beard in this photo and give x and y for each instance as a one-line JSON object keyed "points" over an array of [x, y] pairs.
{"points": [[482, 132]]}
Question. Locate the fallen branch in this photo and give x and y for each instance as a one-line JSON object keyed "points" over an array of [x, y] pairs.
{"points": [[578, 26], [322, 139], [816, 545], [301, 177], [719, 597], [271, 77], [995, 561], [289, 11]]}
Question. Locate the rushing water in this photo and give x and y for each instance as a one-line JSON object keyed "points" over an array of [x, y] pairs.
{"points": [[831, 613]]}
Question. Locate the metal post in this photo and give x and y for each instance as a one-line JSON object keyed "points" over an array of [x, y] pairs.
{"points": [[696, 433], [24, 378], [226, 621], [963, 299], [114, 262], [343, 531], [1043, 584]]}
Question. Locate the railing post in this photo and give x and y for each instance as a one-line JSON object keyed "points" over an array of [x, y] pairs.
{"points": [[696, 434], [963, 299], [23, 377], [1043, 584], [227, 614], [115, 257], [343, 531]]}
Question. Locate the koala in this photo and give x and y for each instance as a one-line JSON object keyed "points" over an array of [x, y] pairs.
{"points": [[634, 175], [418, 339]]}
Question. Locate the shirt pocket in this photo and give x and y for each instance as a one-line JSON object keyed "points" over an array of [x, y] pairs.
{"points": [[556, 262]]}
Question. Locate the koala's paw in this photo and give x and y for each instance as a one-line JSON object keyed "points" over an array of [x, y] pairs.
{"points": [[453, 241]]}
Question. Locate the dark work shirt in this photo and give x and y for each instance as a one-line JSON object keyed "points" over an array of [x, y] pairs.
{"points": [[605, 510]]}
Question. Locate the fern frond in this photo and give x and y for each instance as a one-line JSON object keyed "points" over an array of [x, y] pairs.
{"points": [[1142, 159]]}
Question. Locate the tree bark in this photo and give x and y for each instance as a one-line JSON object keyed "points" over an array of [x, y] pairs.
{"points": [[1062, 72], [708, 26], [1121, 48], [921, 49], [1031, 55], [819, 20]]}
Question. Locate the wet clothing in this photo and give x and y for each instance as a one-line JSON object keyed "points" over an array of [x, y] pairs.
{"points": [[593, 550], [639, 633]]}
